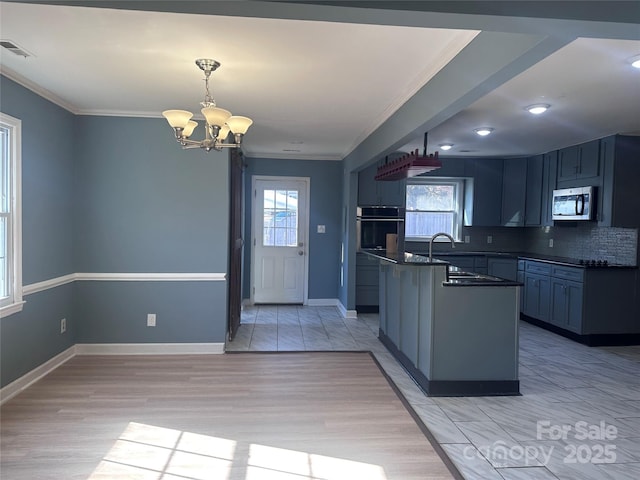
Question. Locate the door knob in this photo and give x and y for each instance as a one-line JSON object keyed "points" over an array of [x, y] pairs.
{"points": [[300, 252]]}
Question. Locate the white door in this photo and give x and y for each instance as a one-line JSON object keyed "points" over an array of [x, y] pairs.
{"points": [[279, 239]]}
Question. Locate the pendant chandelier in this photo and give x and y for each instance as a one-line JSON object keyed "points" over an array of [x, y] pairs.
{"points": [[218, 121]]}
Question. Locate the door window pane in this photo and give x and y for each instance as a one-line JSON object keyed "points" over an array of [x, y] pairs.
{"points": [[280, 227]]}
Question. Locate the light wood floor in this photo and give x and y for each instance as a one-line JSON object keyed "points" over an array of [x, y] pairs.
{"points": [[286, 416]]}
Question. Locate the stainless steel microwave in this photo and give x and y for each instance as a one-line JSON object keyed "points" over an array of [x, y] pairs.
{"points": [[574, 204]]}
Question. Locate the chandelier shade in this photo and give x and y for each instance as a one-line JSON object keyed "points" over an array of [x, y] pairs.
{"points": [[216, 117], [188, 130], [238, 124], [218, 121], [177, 118]]}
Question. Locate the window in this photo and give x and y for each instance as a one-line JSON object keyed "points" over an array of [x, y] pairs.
{"points": [[433, 205], [280, 218], [10, 216]]}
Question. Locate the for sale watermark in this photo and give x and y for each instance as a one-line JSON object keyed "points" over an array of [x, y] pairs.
{"points": [[583, 442]]}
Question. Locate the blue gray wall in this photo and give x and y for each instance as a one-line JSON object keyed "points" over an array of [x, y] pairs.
{"points": [[144, 205], [325, 209], [31, 337], [113, 195]]}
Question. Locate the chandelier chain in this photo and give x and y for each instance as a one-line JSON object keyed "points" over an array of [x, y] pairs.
{"points": [[208, 99]]}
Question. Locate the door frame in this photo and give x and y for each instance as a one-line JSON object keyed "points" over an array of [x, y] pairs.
{"points": [[305, 229]]}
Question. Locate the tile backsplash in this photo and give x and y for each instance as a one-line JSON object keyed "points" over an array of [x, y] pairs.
{"points": [[573, 240], [587, 241]]}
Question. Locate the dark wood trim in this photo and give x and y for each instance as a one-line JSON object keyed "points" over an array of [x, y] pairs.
{"points": [[236, 243]]}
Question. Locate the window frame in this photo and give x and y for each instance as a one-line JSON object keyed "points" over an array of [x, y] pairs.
{"points": [[13, 303], [458, 212]]}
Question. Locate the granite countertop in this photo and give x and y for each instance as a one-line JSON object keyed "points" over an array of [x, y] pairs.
{"points": [[458, 277], [567, 261], [404, 258]]}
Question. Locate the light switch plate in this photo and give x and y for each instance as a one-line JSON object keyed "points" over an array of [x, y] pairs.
{"points": [[467, 239], [489, 239]]}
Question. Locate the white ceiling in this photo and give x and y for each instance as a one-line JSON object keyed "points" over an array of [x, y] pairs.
{"points": [[314, 89]]}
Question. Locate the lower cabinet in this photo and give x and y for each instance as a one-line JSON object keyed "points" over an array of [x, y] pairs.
{"points": [[566, 304], [503, 268], [537, 290], [367, 281], [469, 263]]}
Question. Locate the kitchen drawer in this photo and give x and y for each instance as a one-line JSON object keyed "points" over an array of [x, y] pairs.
{"points": [[538, 268], [521, 264], [568, 273]]}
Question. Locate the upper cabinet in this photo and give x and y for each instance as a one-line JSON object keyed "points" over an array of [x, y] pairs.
{"points": [[534, 191], [372, 192], [618, 200], [549, 179], [514, 184], [483, 197], [578, 163]]}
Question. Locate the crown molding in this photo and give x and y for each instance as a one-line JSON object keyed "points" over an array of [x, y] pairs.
{"points": [[37, 89]]}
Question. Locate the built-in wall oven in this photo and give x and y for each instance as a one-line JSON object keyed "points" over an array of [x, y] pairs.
{"points": [[373, 224]]}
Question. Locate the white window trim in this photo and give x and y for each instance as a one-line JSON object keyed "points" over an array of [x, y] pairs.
{"points": [[459, 207], [16, 302]]}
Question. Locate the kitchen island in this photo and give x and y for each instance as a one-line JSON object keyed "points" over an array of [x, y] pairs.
{"points": [[456, 333]]}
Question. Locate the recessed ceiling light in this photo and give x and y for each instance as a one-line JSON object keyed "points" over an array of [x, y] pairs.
{"points": [[483, 131], [446, 146], [538, 108], [635, 61]]}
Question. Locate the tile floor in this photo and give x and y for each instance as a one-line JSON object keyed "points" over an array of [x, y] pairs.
{"points": [[578, 417]]}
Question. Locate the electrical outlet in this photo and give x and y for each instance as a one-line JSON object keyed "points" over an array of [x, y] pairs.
{"points": [[551, 243], [467, 239], [321, 229], [489, 239], [63, 325], [151, 320]]}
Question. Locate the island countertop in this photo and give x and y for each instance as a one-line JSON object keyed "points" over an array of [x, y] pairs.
{"points": [[404, 258], [454, 276]]}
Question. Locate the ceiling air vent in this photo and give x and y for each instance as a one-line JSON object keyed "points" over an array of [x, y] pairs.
{"points": [[13, 48]]}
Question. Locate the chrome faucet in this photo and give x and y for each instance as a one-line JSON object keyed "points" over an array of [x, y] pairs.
{"points": [[441, 234]]}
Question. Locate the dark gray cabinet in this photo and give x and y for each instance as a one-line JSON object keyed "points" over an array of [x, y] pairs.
{"points": [[367, 281], [503, 268], [549, 175], [618, 199], [533, 204], [578, 162], [367, 186], [537, 290], [514, 185], [483, 199], [567, 297], [372, 192], [469, 263], [591, 302]]}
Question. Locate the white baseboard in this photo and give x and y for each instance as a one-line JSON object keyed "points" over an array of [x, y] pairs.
{"points": [[149, 348], [346, 313], [323, 302], [12, 389]]}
